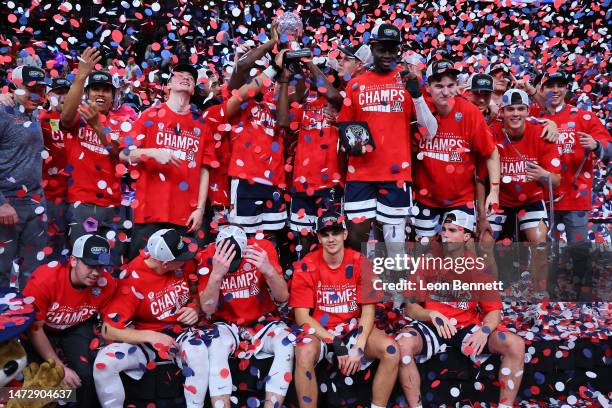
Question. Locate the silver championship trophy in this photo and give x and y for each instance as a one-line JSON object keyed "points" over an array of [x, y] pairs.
{"points": [[291, 25]]}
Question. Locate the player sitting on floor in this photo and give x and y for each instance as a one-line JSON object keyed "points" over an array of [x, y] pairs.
{"points": [[245, 279], [457, 318], [332, 297]]}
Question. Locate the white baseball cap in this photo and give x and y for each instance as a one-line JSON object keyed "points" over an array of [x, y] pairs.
{"points": [[460, 219], [235, 232], [514, 97]]}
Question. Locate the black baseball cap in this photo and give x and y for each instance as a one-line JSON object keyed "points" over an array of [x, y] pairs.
{"points": [[496, 67], [60, 83], [93, 250], [29, 76], [183, 67], [168, 245], [480, 83], [361, 52], [442, 52], [557, 76], [101, 77], [439, 67], [386, 32], [330, 220]]}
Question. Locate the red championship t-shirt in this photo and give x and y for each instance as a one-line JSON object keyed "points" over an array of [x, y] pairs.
{"points": [[60, 305], [316, 164], [464, 306], [218, 184], [576, 183], [515, 190], [244, 296], [257, 145], [335, 295], [165, 192], [147, 299], [55, 178], [444, 169], [383, 102], [93, 174]]}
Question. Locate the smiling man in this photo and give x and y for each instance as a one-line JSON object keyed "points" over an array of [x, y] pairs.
{"points": [[68, 299], [378, 182], [444, 173], [582, 139], [23, 225], [92, 150], [172, 147]]}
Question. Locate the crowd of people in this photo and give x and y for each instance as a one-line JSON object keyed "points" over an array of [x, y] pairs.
{"points": [[163, 216]]}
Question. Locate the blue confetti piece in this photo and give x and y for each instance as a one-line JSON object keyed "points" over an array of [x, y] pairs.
{"points": [[188, 372]]}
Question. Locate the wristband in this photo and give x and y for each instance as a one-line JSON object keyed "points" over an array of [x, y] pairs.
{"points": [[270, 72]]}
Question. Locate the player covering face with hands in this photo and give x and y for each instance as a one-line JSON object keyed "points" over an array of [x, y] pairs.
{"points": [[240, 282]]}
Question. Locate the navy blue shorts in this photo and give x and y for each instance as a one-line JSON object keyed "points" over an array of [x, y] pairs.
{"points": [[427, 221], [529, 216], [434, 344], [306, 208], [384, 201], [257, 207]]}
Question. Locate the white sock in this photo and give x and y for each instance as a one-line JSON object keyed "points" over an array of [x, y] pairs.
{"points": [[504, 406], [376, 406]]}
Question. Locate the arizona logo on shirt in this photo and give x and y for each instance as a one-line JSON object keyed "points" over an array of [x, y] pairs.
{"points": [[445, 147], [336, 298], [240, 285], [382, 98], [167, 302], [566, 141]]}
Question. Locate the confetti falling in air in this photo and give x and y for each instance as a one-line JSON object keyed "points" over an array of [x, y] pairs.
{"points": [[534, 36]]}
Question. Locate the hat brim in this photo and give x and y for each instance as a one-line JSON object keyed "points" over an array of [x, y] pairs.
{"points": [[186, 254], [387, 40], [337, 227], [186, 68], [32, 84], [109, 84], [561, 80], [58, 88], [481, 90], [95, 262], [346, 51], [451, 71]]}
